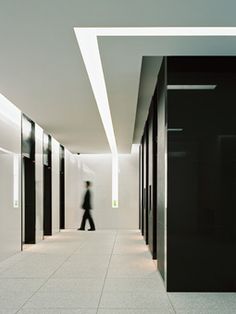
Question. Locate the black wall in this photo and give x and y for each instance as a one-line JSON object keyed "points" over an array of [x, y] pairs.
{"points": [[202, 176], [152, 177], [195, 172]]}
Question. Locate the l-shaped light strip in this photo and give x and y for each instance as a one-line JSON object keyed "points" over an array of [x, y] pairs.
{"points": [[87, 40]]}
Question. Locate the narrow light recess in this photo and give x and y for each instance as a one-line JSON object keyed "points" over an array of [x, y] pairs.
{"points": [[175, 130], [87, 40], [15, 181], [158, 31], [115, 181], [191, 87]]}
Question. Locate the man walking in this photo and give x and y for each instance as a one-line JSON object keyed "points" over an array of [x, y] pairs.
{"points": [[87, 207]]}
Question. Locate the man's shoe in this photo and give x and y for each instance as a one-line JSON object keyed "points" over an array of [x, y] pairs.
{"points": [[91, 229], [80, 229]]}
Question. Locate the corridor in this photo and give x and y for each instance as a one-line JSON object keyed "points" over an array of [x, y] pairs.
{"points": [[105, 272]]}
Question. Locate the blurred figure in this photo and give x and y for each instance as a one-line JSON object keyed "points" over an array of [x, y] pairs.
{"points": [[87, 207]]}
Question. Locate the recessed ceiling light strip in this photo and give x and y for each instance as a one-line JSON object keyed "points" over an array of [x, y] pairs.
{"points": [[158, 31], [90, 52]]}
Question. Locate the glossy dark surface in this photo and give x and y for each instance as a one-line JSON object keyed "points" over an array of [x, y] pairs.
{"points": [[47, 186], [152, 163], [151, 176], [141, 196], [201, 212], [62, 187], [28, 179]]}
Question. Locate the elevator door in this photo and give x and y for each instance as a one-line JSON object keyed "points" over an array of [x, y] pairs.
{"points": [[29, 201], [151, 186], [62, 187], [47, 201]]}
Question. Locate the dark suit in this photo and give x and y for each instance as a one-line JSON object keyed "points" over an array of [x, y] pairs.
{"points": [[87, 207], [87, 200]]}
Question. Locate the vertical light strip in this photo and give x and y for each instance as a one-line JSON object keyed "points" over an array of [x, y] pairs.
{"points": [[15, 181], [166, 201], [115, 181], [87, 41]]}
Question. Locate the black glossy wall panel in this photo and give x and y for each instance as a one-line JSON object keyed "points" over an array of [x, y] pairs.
{"points": [[62, 187], [152, 176], [154, 181], [47, 186], [142, 187], [201, 215], [28, 180], [29, 201], [153, 164]]}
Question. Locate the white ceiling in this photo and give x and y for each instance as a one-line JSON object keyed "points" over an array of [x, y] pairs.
{"points": [[42, 71]]}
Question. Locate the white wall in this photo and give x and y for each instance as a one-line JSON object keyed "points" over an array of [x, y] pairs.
{"points": [[55, 186], [10, 148], [39, 181], [72, 189], [98, 169]]}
